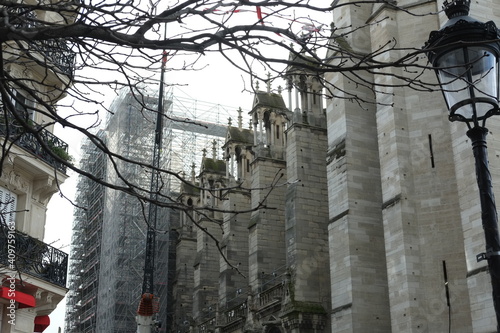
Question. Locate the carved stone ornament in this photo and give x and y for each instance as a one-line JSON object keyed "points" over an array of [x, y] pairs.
{"points": [[13, 180], [44, 188]]}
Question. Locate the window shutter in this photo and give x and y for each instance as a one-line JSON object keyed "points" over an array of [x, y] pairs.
{"points": [[8, 203]]}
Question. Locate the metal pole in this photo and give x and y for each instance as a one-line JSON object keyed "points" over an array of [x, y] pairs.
{"points": [[149, 259], [488, 213]]}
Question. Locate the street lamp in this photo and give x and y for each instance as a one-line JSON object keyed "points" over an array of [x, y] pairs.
{"points": [[465, 55]]}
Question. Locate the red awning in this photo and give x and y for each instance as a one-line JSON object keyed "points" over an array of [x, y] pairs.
{"points": [[24, 300], [41, 323]]}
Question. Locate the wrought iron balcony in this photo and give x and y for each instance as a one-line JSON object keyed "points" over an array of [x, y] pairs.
{"points": [[34, 257], [56, 52], [17, 134]]}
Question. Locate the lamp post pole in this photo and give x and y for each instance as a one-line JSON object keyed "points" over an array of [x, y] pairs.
{"points": [[465, 54], [489, 215]]}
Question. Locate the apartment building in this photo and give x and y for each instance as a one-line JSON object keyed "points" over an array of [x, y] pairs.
{"points": [[33, 273]]}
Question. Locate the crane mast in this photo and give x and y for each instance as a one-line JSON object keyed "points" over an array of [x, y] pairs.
{"points": [[145, 311]]}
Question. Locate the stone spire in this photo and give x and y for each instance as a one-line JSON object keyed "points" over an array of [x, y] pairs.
{"points": [[240, 118], [193, 174], [268, 82], [229, 121]]}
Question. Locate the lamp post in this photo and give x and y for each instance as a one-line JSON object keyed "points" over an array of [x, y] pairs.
{"points": [[465, 55]]}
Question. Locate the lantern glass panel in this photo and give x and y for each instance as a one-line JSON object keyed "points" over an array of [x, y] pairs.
{"points": [[468, 77]]}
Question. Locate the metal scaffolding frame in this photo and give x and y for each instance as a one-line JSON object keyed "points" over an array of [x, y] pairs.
{"points": [[86, 245], [196, 125], [107, 255]]}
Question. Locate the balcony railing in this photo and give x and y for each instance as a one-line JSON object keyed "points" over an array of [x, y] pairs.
{"points": [[271, 295], [235, 313], [17, 134], [34, 257], [56, 51], [208, 325]]}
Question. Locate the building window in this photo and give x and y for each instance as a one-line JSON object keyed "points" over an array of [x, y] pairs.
{"points": [[8, 203], [24, 106]]}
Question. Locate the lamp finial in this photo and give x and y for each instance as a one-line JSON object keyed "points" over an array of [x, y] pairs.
{"points": [[455, 8]]}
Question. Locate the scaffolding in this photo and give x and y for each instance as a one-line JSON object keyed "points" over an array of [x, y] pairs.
{"points": [[82, 298], [107, 255], [195, 126]]}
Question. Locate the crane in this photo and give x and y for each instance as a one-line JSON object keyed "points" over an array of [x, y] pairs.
{"points": [[146, 309]]}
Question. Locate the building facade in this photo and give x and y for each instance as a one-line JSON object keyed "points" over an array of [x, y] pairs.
{"points": [[361, 215], [261, 255], [404, 206], [32, 166]]}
